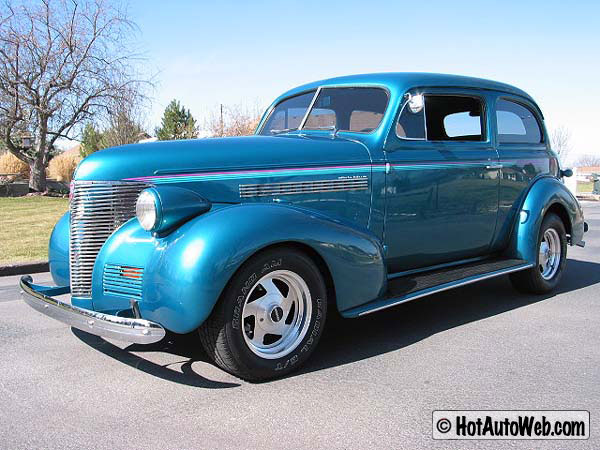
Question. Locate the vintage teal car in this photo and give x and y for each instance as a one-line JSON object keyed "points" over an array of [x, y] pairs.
{"points": [[354, 195]]}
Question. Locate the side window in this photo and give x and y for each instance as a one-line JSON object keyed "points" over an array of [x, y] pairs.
{"points": [[442, 118], [516, 124]]}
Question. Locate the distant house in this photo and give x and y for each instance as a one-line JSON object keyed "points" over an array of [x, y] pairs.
{"points": [[587, 171]]}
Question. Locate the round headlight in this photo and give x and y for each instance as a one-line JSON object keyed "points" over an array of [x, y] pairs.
{"points": [[146, 210]]}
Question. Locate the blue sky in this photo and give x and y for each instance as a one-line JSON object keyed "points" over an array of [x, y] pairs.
{"points": [[234, 52]]}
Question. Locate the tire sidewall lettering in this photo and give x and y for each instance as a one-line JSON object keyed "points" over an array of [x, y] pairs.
{"points": [[239, 301], [300, 353]]}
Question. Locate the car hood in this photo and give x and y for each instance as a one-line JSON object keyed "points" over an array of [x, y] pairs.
{"points": [[214, 167]]}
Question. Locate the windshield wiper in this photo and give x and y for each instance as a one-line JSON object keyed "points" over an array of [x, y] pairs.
{"points": [[334, 130], [324, 127], [283, 130]]}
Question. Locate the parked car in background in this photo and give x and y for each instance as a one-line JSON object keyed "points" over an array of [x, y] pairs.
{"points": [[355, 194]]}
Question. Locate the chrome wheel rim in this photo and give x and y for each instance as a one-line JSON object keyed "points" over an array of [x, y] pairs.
{"points": [[549, 254], [276, 314]]}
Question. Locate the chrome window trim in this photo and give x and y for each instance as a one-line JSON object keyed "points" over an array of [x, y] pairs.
{"points": [[310, 107]]}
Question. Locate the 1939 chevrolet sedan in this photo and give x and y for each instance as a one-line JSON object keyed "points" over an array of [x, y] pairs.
{"points": [[355, 194]]}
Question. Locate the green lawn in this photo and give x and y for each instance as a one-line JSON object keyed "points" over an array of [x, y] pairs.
{"points": [[25, 227], [585, 186]]}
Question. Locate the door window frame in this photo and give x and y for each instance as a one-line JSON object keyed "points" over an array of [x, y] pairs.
{"points": [[395, 142]]}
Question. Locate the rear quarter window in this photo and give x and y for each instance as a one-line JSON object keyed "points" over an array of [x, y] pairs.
{"points": [[517, 124]]}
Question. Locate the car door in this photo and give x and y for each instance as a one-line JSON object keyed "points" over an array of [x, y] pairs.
{"points": [[523, 152], [442, 180]]}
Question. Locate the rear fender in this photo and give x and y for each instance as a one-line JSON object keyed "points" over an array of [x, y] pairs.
{"points": [[545, 194]]}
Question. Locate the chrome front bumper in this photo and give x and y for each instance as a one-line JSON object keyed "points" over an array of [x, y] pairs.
{"points": [[138, 331]]}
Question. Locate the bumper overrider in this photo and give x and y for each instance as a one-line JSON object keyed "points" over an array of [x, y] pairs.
{"points": [[138, 331]]}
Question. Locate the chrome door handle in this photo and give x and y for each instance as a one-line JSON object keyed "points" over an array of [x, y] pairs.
{"points": [[494, 167]]}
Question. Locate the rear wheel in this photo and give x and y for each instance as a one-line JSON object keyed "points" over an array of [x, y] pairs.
{"points": [[269, 318], [551, 259]]}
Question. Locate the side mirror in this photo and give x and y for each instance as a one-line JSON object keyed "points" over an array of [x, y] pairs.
{"points": [[566, 173]]}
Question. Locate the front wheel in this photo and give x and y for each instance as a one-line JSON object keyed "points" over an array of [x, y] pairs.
{"points": [[269, 318], [551, 259]]}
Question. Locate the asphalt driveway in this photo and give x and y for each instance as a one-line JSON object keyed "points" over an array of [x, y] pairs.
{"points": [[373, 382]]}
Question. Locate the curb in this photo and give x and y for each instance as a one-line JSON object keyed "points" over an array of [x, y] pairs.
{"points": [[24, 268], [588, 197]]}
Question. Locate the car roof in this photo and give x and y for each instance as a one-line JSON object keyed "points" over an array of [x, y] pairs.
{"points": [[408, 80]]}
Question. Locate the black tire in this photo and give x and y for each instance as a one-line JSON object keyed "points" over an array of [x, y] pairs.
{"points": [[224, 334], [531, 281]]}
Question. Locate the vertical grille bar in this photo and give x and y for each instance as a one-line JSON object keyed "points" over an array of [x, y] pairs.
{"points": [[97, 208]]}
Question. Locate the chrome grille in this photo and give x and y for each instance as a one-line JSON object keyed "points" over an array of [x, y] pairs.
{"points": [[97, 208]]}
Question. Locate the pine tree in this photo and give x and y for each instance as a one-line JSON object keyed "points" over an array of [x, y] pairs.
{"points": [[177, 123], [91, 141]]}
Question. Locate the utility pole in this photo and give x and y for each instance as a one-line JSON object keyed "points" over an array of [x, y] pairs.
{"points": [[222, 125]]}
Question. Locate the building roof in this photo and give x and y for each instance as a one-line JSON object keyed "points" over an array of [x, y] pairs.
{"points": [[588, 170]]}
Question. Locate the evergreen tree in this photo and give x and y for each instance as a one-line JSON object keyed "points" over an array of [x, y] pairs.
{"points": [[91, 141], [177, 123]]}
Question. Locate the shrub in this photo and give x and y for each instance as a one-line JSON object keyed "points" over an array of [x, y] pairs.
{"points": [[10, 164], [61, 167]]}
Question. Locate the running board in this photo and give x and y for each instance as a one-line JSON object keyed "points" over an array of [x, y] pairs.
{"points": [[411, 287]]}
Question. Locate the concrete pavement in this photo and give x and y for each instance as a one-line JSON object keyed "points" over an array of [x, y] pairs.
{"points": [[373, 382]]}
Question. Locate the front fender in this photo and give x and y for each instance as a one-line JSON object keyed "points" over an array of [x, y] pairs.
{"points": [[58, 251], [543, 195], [186, 271]]}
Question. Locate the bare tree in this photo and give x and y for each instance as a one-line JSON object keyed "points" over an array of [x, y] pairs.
{"points": [[234, 121], [589, 160], [61, 62], [561, 142], [125, 124]]}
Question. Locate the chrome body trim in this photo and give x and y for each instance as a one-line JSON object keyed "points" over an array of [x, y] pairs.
{"points": [[304, 187], [447, 286], [494, 167], [97, 208], [138, 331], [310, 107], [123, 280]]}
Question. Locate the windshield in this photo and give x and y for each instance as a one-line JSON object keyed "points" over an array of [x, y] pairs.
{"points": [[288, 114], [358, 109]]}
